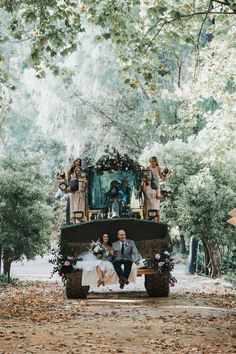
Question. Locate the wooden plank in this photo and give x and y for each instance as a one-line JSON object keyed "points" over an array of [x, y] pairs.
{"points": [[142, 271]]}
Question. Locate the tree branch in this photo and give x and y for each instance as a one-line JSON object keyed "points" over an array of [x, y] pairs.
{"points": [[204, 13], [110, 120], [160, 29], [150, 29], [166, 21], [224, 3], [20, 40], [179, 70], [220, 2], [198, 39], [142, 88]]}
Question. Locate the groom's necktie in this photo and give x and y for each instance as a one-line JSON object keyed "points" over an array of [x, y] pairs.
{"points": [[122, 248]]}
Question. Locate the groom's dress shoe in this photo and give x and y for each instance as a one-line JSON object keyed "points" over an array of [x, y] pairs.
{"points": [[126, 282], [121, 281]]}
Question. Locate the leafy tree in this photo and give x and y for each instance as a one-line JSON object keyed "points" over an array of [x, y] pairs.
{"points": [[204, 189], [26, 217], [202, 212]]}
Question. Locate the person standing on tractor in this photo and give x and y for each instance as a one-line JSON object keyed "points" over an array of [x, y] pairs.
{"points": [[78, 185], [151, 198], [156, 176]]}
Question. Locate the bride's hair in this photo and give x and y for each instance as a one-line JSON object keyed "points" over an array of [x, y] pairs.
{"points": [[101, 238]]}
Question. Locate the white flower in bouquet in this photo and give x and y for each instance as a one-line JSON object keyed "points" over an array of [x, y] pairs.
{"points": [[167, 253], [157, 256], [97, 249]]}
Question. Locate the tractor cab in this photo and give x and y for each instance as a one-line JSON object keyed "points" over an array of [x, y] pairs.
{"points": [[115, 194]]}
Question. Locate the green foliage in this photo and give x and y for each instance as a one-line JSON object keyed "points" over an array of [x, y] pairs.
{"points": [[156, 46], [3, 279], [203, 204], [204, 189], [26, 218], [155, 43], [62, 264], [112, 160], [229, 263], [51, 28]]}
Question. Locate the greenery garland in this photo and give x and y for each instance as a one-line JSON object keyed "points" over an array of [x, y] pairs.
{"points": [[62, 264], [112, 161]]}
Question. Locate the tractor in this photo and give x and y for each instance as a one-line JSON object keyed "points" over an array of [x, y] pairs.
{"points": [[114, 201]]}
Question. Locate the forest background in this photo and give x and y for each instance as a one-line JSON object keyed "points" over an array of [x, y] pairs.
{"points": [[147, 77]]}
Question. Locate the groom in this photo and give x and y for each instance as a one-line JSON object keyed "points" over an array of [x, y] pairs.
{"points": [[125, 253]]}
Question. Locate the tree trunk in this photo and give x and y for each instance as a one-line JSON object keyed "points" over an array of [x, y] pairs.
{"points": [[7, 267], [213, 256], [207, 258], [183, 248], [0, 259], [193, 255]]}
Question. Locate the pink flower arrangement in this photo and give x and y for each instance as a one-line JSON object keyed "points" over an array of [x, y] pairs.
{"points": [[163, 263]]}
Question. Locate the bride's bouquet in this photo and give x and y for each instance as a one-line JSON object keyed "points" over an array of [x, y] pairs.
{"points": [[98, 249]]}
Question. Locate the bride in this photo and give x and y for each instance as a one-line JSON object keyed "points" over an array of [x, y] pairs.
{"points": [[105, 268], [97, 271]]}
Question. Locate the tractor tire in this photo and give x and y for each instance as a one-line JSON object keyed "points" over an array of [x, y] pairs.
{"points": [[74, 289], [157, 285]]}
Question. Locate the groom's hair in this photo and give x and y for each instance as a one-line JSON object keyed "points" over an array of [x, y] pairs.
{"points": [[123, 231]]}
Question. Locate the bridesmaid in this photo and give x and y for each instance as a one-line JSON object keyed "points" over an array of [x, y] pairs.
{"points": [[156, 176], [151, 197], [78, 186]]}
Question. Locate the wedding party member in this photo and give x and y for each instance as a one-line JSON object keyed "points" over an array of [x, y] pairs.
{"points": [[96, 264], [151, 197], [156, 176], [125, 253], [104, 269], [114, 200], [156, 172], [78, 186]]}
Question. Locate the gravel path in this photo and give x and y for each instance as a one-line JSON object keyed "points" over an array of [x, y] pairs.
{"points": [[199, 316]]}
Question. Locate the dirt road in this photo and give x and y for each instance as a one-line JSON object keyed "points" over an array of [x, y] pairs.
{"points": [[198, 317]]}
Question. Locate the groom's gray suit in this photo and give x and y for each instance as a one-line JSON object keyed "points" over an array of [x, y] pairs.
{"points": [[129, 256], [130, 250]]}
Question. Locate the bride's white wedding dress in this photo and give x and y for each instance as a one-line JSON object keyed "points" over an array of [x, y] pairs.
{"points": [[88, 264]]}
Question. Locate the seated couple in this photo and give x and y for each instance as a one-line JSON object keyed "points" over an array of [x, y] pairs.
{"points": [[118, 267]]}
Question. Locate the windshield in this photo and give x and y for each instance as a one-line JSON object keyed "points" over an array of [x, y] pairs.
{"points": [[110, 185]]}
